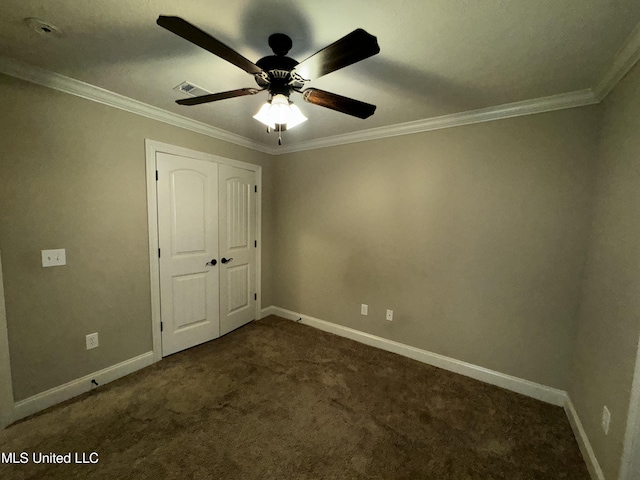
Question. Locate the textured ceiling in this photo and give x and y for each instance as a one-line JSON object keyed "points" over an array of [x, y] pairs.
{"points": [[437, 57]]}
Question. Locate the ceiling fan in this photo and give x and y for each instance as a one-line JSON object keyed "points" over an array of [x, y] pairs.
{"points": [[278, 74]]}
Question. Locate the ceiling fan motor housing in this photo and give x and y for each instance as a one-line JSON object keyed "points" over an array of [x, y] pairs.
{"points": [[277, 75]]}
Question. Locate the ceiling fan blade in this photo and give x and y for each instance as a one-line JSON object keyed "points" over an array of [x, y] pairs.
{"points": [[338, 103], [193, 34], [214, 97], [350, 49]]}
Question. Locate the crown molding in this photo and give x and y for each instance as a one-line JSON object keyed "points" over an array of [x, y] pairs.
{"points": [[509, 110], [81, 89], [624, 60]]}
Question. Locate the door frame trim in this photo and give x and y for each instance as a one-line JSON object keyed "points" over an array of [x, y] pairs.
{"points": [[7, 407], [151, 148], [630, 463]]}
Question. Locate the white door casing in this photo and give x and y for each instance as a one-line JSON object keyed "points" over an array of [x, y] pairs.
{"points": [[188, 242], [6, 386], [238, 245], [630, 465]]}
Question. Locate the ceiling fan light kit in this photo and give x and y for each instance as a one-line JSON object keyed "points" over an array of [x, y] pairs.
{"points": [[280, 111], [279, 74]]}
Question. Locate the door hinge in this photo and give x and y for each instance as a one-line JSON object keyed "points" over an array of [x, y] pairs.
{"points": [[158, 253], [161, 326], [255, 188], [255, 296], [156, 175], [255, 243]]}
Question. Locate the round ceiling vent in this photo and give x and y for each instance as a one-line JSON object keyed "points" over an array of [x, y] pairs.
{"points": [[42, 27]]}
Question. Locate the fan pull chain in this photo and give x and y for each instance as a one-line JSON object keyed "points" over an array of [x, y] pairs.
{"points": [[279, 135]]}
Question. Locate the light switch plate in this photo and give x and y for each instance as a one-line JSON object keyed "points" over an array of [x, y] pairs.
{"points": [[54, 258]]}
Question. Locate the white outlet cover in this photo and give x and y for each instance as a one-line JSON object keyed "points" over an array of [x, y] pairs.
{"points": [[390, 315], [364, 309], [92, 341], [54, 258]]}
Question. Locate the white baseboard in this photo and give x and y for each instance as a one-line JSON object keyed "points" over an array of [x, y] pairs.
{"points": [[271, 310], [51, 397], [515, 384], [583, 441]]}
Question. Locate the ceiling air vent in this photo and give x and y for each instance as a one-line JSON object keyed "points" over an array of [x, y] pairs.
{"points": [[43, 27], [191, 89]]}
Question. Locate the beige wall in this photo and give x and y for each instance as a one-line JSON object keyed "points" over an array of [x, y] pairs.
{"points": [[474, 236], [609, 321], [73, 176]]}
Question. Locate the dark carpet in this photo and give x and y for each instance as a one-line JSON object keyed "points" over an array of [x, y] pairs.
{"points": [[280, 400]]}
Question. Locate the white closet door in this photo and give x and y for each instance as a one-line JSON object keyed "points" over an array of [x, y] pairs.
{"points": [[237, 247], [188, 239]]}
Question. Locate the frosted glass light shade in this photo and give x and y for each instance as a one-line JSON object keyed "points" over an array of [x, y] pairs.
{"points": [[263, 115], [295, 116], [280, 112]]}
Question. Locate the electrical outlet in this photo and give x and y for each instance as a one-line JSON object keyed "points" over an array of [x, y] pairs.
{"points": [[390, 315], [54, 258], [606, 420], [92, 340], [364, 309]]}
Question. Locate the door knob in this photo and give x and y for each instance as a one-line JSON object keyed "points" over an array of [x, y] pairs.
{"points": [[226, 260], [212, 262]]}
